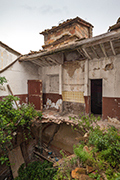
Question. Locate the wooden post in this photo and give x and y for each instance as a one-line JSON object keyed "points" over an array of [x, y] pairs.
{"points": [[12, 94]]}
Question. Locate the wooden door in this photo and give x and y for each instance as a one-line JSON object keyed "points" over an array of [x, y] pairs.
{"points": [[35, 93]]}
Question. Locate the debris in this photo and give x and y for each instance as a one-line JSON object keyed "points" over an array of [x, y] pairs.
{"points": [[44, 157], [61, 161], [113, 120], [16, 160]]}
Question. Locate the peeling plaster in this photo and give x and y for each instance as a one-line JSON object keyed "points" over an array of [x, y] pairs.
{"points": [[50, 104], [109, 67], [71, 67]]}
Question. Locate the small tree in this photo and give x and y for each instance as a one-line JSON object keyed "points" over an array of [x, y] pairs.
{"points": [[12, 119]]}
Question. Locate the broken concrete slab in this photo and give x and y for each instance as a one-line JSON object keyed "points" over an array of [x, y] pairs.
{"points": [[16, 160]]}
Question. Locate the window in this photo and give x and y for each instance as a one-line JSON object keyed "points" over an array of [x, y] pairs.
{"points": [[54, 83]]}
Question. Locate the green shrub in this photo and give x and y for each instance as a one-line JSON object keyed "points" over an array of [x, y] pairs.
{"points": [[107, 144], [105, 148], [36, 171], [11, 119]]}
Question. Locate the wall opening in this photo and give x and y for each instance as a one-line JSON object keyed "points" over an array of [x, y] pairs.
{"points": [[96, 96]]}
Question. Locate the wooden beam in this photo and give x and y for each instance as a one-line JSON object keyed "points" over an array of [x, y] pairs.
{"points": [[86, 42], [88, 56], [94, 51], [35, 62], [57, 57], [8, 86], [50, 62], [42, 156], [53, 60], [80, 51], [103, 50], [112, 47], [43, 61]]}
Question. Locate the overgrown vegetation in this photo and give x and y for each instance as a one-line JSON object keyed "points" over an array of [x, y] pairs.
{"points": [[64, 170], [102, 154], [11, 119], [36, 171], [103, 145]]}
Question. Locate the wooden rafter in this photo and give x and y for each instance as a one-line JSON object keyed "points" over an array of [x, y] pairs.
{"points": [[53, 60], [80, 51], [34, 61], [88, 56], [94, 51], [43, 61], [112, 47], [49, 62], [103, 50]]}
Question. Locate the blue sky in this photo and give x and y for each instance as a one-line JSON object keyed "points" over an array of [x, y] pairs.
{"points": [[22, 21]]}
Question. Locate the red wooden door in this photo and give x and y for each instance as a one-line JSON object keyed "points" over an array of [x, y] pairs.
{"points": [[35, 93]]}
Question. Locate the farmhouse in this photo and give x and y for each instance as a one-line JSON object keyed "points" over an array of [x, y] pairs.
{"points": [[79, 73], [74, 73]]}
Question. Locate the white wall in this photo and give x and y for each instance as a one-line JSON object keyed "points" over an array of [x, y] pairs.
{"points": [[17, 76], [6, 57], [111, 82], [45, 73]]}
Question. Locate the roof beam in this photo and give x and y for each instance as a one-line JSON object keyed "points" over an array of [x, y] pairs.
{"points": [[53, 60], [34, 61], [49, 61], [103, 50], [112, 47], [80, 51], [43, 61], [94, 51], [88, 56], [46, 62]]}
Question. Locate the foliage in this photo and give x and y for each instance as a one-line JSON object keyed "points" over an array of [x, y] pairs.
{"points": [[104, 155], [84, 156], [64, 171], [3, 80], [85, 123], [103, 152], [36, 171], [107, 144], [11, 119]]}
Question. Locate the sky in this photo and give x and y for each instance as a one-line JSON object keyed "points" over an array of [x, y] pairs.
{"points": [[21, 21]]}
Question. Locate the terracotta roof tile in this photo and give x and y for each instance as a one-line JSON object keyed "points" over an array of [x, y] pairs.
{"points": [[67, 22]]}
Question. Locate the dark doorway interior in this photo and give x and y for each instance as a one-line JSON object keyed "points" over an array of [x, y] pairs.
{"points": [[96, 96]]}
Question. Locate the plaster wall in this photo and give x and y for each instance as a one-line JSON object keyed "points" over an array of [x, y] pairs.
{"points": [[73, 87], [6, 57], [51, 78], [108, 70], [17, 76], [46, 73], [73, 76]]}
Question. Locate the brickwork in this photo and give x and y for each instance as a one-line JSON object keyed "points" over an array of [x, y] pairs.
{"points": [[76, 28]]}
